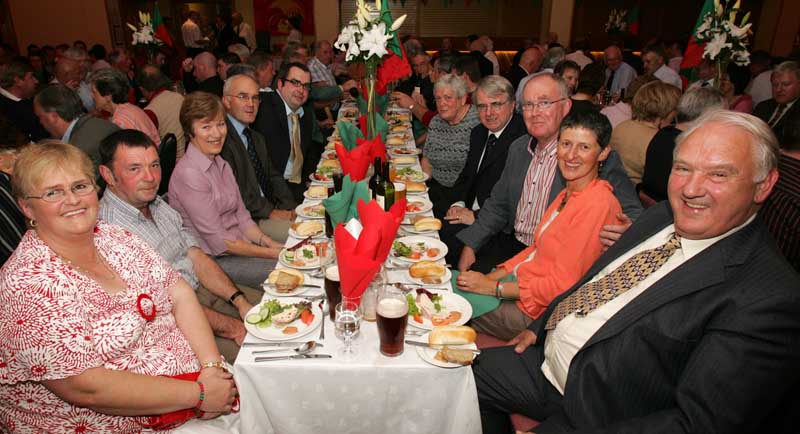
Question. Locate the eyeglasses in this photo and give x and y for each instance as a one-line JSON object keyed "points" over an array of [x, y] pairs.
{"points": [[243, 97], [496, 105], [58, 194], [298, 83], [528, 106]]}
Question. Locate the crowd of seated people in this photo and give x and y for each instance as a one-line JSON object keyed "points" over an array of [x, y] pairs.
{"points": [[605, 219]]}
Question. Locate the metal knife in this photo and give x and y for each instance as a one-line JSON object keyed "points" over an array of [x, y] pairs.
{"points": [[439, 347], [305, 285], [277, 344], [292, 357]]}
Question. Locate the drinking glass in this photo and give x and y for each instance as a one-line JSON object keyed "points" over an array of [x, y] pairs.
{"points": [[399, 191], [392, 320], [333, 289], [348, 321]]}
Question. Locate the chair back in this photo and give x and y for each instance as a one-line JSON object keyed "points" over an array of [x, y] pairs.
{"points": [[167, 153]]}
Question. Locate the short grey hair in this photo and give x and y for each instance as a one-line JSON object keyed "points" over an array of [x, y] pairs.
{"points": [[553, 56], [494, 86], [763, 143], [695, 102], [240, 50], [229, 82], [788, 66], [563, 89], [452, 81]]}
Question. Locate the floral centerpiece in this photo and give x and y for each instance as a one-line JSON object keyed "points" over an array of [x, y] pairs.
{"points": [[371, 38], [725, 41], [144, 34], [616, 21]]}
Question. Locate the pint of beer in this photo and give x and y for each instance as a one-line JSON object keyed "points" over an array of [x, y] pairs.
{"points": [[392, 320], [399, 191], [333, 289]]}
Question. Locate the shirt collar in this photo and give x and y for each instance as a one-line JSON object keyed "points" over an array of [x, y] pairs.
{"points": [[9, 95], [266, 89], [237, 125], [500, 131], [289, 110], [548, 149], [115, 202], [198, 159], [68, 133], [693, 247]]}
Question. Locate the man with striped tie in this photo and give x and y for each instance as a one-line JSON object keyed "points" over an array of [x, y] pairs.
{"points": [[689, 323]]}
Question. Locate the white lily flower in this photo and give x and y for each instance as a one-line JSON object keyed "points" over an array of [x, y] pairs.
{"points": [[374, 40], [353, 51], [346, 37], [705, 26], [739, 32], [132, 27], [398, 22], [716, 45]]}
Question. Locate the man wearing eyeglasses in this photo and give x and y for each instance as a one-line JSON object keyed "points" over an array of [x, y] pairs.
{"points": [[287, 121], [488, 148], [264, 192], [530, 182]]}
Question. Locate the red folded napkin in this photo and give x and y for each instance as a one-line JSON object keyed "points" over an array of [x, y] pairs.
{"points": [[376, 147], [354, 163], [359, 260]]}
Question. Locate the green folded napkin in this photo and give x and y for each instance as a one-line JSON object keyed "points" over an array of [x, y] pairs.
{"points": [[349, 132], [481, 303], [341, 207]]}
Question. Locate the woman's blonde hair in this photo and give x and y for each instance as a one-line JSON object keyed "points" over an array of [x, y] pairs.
{"points": [[37, 161], [199, 106], [655, 100]]}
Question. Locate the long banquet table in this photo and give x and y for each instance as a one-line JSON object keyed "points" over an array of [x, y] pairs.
{"points": [[365, 393]]}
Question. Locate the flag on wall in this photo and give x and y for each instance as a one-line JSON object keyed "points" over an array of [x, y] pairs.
{"points": [[694, 51], [159, 28], [632, 20]]}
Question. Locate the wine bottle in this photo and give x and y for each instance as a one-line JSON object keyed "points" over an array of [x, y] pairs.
{"points": [[388, 188], [375, 179]]}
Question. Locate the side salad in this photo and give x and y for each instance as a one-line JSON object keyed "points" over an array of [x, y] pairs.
{"points": [[273, 313]]}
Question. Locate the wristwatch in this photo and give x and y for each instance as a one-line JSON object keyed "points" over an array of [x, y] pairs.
{"points": [[234, 296]]}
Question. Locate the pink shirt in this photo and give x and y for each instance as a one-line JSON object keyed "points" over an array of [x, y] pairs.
{"points": [[205, 193], [128, 116], [57, 323], [535, 190]]}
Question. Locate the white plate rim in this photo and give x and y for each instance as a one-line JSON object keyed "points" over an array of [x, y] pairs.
{"points": [[445, 279], [286, 263], [417, 151], [294, 234], [313, 179], [439, 244], [425, 177], [269, 289], [427, 206], [305, 195], [301, 213], [466, 311], [255, 331], [427, 354]]}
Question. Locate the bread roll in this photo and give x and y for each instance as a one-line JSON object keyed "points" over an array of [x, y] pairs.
{"points": [[308, 228], [455, 355], [452, 335], [415, 187], [395, 141], [318, 191], [330, 163], [285, 279], [405, 160], [426, 269], [427, 224]]}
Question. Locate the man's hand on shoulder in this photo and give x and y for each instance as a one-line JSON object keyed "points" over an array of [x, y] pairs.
{"points": [[522, 341], [611, 233]]}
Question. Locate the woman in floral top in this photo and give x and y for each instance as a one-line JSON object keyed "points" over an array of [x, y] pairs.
{"points": [[94, 321]]}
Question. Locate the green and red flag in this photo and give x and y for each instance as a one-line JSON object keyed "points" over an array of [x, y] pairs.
{"points": [[694, 50], [395, 64], [159, 28], [632, 20]]}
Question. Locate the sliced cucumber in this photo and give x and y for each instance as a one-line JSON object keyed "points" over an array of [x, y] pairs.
{"points": [[253, 318]]}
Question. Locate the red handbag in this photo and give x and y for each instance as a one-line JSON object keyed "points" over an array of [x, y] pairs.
{"points": [[177, 418]]}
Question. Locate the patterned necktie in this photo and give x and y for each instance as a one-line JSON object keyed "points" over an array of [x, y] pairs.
{"points": [[257, 166], [595, 294], [296, 155], [490, 145], [777, 116]]}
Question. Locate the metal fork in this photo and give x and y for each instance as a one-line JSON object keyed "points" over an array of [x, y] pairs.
{"points": [[322, 326]]}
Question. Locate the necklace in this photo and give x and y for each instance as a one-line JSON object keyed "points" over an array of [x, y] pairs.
{"points": [[111, 274]]}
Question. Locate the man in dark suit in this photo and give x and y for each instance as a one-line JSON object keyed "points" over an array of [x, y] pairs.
{"points": [[263, 190], [531, 181], [288, 123], [60, 111], [529, 62], [17, 88], [488, 148], [782, 108], [689, 323]]}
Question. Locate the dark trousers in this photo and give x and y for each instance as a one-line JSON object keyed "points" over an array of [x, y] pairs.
{"points": [[509, 383], [297, 190], [441, 197], [499, 249]]}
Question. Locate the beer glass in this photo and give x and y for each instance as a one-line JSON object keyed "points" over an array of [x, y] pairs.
{"points": [[333, 289], [399, 191], [392, 320]]}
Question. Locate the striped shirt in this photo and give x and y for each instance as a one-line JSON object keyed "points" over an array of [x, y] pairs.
{"points": [[535, 190], [12, 222], [128, 116], [164, 233], [781, 211]]}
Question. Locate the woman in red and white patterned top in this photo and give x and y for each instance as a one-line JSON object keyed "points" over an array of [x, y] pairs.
{"points": [[92, 320]]}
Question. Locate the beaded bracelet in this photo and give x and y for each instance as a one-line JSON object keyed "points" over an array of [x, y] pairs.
{"points": [[202, 395]]}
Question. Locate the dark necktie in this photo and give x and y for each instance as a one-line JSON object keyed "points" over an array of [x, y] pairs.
{"points": [[491, 144], [257, 166], [777, 116], [610, 80], [595, 294]]}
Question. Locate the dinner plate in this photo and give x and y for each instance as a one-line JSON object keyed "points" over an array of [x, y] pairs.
{"points": [[404, 160], [404, 152], [319, 234], [416, 193], [273, 333], [414, 175], [451, 302], [445, 279], [424, 204], [301, 210], [330, 155], [302, 289], [308, 196], [310, 264], [430, 243], [313, 178], [429, 354]]}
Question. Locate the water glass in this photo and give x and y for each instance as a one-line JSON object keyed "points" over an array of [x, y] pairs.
{"points": [[348, 324]]}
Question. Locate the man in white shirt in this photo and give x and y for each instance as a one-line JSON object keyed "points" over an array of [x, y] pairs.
{"points": [[697, 332], [619, 74], [243, 30], [653, 58], [192, 36], [675, 52], [760, 87]]}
